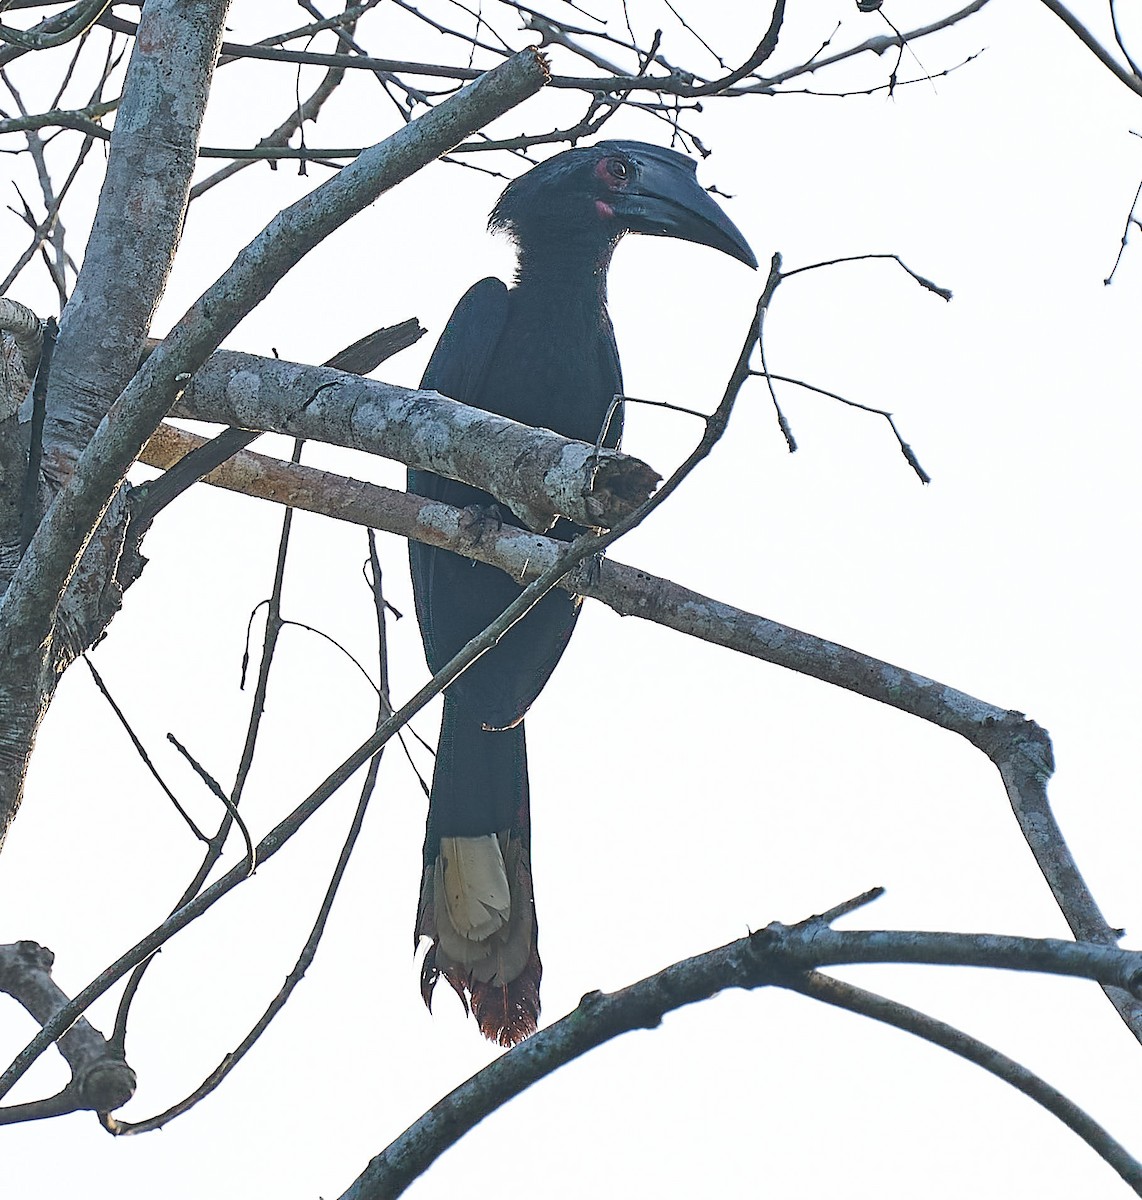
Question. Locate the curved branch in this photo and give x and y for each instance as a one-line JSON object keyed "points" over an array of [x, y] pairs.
{"points": [[868, 1004], [775, 956], [1018, 747], [1092, 43]]}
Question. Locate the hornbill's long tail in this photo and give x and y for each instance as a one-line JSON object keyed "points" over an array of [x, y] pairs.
{"points": [[476, 898]]}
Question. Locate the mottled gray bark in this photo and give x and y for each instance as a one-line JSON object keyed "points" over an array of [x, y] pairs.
{"points": [[137, 224], [538, 474], [38, 639], [129, 255], [20, 340]]}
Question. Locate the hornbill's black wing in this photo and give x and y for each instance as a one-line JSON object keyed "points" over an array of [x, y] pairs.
{"points": [[457, 368], [456, 598]]}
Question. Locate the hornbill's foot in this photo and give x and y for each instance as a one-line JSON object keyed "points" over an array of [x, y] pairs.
{"points": [[590, 570], [479, 519]]}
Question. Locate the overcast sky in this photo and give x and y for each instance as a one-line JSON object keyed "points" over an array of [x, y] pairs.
{"points": [[681, 794]]}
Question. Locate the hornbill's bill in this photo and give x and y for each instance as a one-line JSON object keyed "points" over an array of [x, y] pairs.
{"points": [[541, 352]]}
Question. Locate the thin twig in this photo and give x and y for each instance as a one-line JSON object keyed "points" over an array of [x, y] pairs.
{"points": [[848, 996], [905, 448], [251, 859], [141, 750], [309, 950], [1131, 219]]}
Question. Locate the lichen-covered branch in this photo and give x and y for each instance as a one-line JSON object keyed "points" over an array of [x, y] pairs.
{"points": [[536, 473], [29, 606], [129, 255]]}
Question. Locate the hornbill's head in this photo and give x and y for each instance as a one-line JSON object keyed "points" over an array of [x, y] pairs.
{"points": [[590, 196]]}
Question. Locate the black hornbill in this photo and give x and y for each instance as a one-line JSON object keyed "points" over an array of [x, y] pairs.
{"points": [[543, 353]]}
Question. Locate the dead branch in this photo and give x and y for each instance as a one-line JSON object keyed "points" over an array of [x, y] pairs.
{"points": [[778, 955], [100, 1077]]}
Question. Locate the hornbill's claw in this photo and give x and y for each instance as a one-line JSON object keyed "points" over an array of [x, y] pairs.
{"points": [[478, 519]]}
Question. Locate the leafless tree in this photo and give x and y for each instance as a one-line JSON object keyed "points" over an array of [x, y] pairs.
{"points": [[127, 87]]}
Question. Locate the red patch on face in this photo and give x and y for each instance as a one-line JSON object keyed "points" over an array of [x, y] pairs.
{"points": [[604, 210]]}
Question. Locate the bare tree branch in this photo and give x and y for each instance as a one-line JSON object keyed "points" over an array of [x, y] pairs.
{"points": [[122, 279], [891, 1012], [1019, 748], [587, 546], [100, 1077], [775, 956], [535, 472], [30, 602], [1088, 39]]}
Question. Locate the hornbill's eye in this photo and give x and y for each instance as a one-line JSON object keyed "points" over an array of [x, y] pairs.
{"points": [[618, 168]]}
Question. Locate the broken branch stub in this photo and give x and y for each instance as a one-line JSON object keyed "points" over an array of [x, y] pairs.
{"points": [[539, 475]]}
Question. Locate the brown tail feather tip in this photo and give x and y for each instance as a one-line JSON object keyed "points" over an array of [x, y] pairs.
{"points": [[499, 980]]}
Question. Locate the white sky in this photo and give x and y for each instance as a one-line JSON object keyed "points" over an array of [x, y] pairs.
{"points": [[681, 794]]}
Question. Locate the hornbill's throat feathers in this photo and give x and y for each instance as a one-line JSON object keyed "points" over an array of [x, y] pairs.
{"points": [[588, 197]]}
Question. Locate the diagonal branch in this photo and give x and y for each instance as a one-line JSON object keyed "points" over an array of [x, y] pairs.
{"points": [[1018, 747], [538, 474], [1088, 39], [33, 593], [28, 608], [891, 1012]]}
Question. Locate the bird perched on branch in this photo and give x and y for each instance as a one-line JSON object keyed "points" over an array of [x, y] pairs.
{"points": [[543, 353]]}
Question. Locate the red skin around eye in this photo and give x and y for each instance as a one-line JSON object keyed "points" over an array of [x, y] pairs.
{"points": [[613, 182]]}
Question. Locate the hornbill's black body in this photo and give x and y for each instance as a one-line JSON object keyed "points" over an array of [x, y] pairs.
{"points": [[543, 353]]}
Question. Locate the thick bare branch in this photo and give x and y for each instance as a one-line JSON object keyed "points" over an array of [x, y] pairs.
{"points": [[29, 605], [1018, 747], [129, 255], [535, 472], [137, 224], [777, 955], [100, 1077], [308, 110]]}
